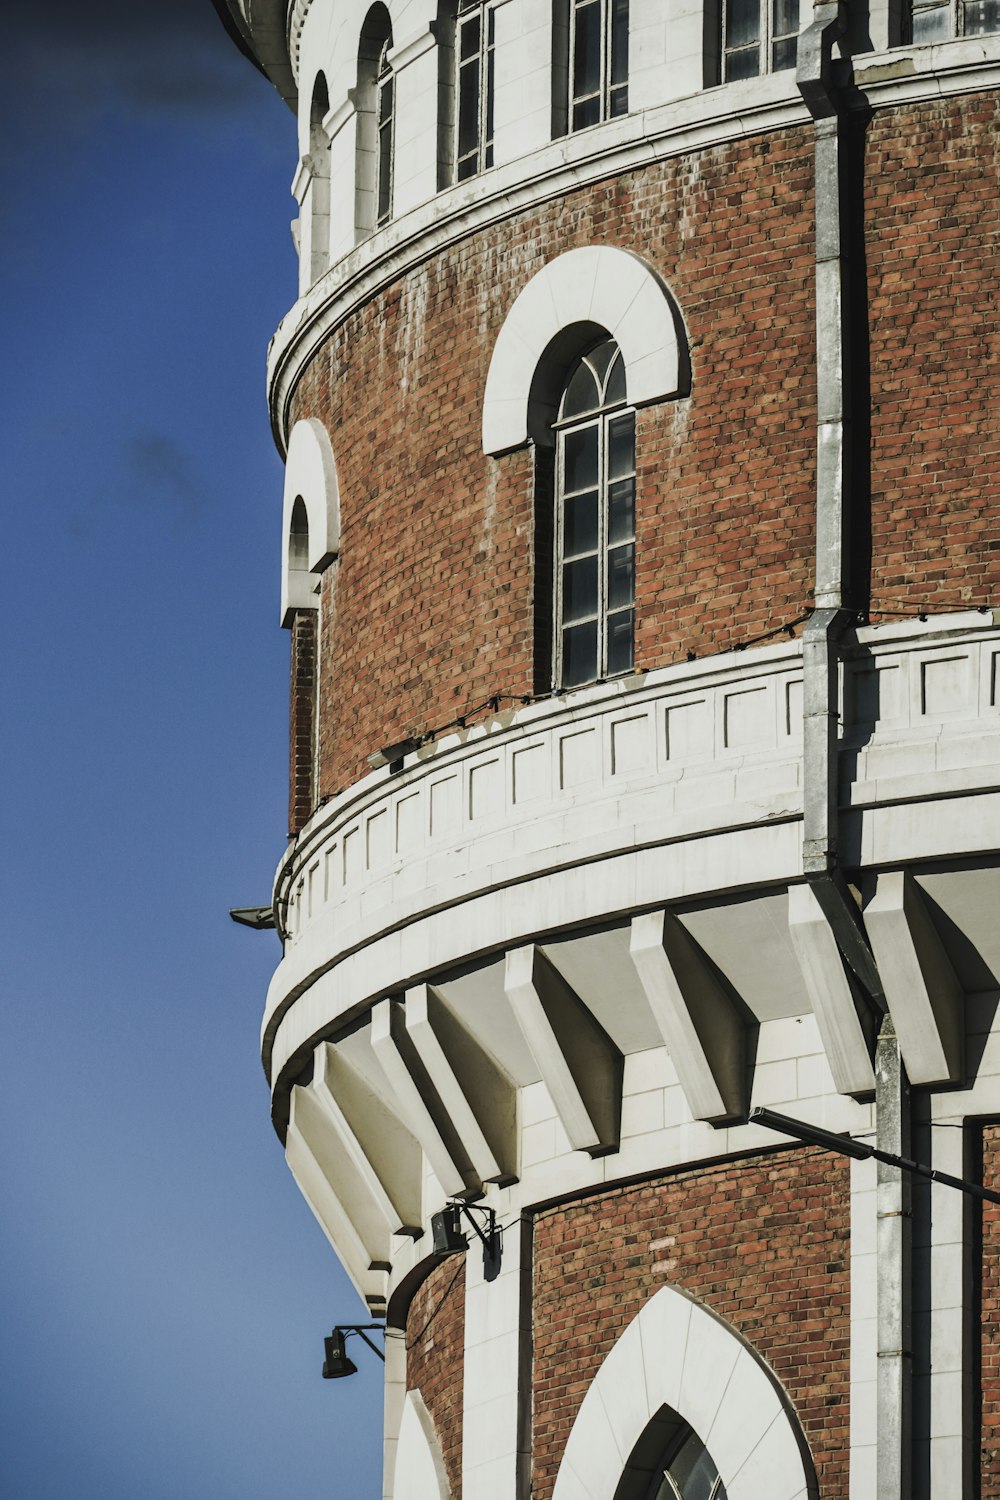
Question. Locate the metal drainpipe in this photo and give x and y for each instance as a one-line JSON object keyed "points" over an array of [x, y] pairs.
{"points": [[821, 678]]}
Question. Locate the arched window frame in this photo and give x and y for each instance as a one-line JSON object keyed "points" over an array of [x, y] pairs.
{"points": [[593, 588], [385, 125], [375, 105], [318, 161], [310, 544], [678, 1354]]}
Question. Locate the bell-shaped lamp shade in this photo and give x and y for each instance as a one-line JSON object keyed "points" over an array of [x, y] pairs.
{"points": [[337, 1361]]}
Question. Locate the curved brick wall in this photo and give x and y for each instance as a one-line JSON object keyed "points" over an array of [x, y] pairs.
{"points": [[435, 1358], [434, 592], [933, 248], [763, 1242]]}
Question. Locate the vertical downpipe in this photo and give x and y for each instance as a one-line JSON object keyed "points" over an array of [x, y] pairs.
{"points": [[821, 678]]}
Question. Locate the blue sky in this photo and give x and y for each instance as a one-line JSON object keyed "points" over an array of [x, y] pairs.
{"points": [[166, 1289]]}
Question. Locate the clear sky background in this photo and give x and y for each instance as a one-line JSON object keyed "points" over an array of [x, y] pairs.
{"points": [[165, 1288]]}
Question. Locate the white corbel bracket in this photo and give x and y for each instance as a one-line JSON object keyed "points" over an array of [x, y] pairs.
{"points": [[418, 1100], [700, 1026], [845, 1024], [925, 998], [579, 1064], [479, 1098]]}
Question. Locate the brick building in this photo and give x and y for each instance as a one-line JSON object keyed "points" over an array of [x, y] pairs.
{"points": [[640, 547]]}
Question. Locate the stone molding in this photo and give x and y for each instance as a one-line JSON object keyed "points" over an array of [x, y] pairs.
{"points": [[676, 1353], [613, 289]]}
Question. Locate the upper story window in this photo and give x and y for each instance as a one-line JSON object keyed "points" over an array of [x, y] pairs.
{"points": [[595, 521], [475, 53], [598, 61], [758, 36], [385, 89], [934, 22], [376, 97]]}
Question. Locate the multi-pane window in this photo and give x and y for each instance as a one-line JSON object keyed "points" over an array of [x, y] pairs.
{"points": [[475, 53], [598, 55], [595, 522], [758, 36], [385, 100], [930, 21]]}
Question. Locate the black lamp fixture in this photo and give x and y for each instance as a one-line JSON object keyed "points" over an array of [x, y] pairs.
{"points": [[337, 1361], [448, 1236]]}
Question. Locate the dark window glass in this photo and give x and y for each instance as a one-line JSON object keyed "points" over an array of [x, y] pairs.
{"points": [[581, 454], [621, 445], [581, 525], [386, 90], [981, 17], [621, 632], [598, 62], [587, 50], [579, 590], [476, 51], [619, 43], [579, 654], [595, 498], [621, 510], [742, 22]]}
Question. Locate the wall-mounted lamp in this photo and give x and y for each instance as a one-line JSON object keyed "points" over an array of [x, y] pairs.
{"points": [[392, 755], [337, 1361], [448, 1236], [260, 918]]}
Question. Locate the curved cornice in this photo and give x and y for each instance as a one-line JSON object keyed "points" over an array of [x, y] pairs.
{"points": [[711, 118], [259, 28]]}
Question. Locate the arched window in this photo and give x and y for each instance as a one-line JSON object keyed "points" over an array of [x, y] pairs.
{"points": [[385, 89], [316, 249], [376, 110], [594, 542]]}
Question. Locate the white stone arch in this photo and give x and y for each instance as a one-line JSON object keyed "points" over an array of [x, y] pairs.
{"points": [[597, 289], [310, 477], [419, 1470], [676, 1353]]}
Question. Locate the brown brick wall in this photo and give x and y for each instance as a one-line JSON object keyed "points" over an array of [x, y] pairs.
{"points": [[434, 605], [437, 595], [763, 1242], [990, 1322], [302, 727], [435, 1359], [933, 248]]}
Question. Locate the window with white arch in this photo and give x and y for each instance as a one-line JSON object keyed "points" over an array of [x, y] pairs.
{"points": [[594, 532]]}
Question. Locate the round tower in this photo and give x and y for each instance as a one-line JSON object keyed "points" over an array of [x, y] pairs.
{"points": [[639, 554]]}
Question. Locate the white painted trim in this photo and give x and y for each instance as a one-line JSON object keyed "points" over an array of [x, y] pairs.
{"points": [[613, 289], [677, 1353], [420, 1472], [310, 475]]}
